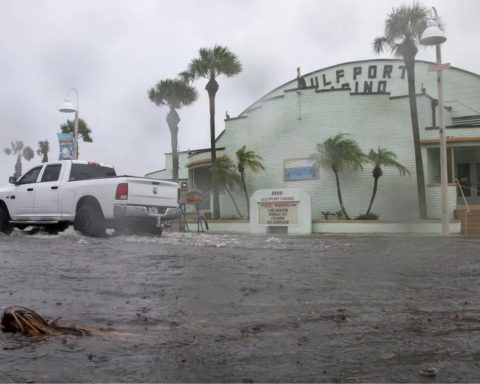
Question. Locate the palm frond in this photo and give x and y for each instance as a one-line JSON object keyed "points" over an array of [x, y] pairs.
{"points": [[16, 148], [43, 147], [83, 130], [185, 76], [28, 153], [340, 153], [382, 157], [26, 321], [175, 93], [403, 29], [379, 44], [248, 159], [224, 173], [211, 63]]}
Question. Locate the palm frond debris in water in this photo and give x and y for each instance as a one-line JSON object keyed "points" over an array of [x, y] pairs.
{"points": [[26, 321]]}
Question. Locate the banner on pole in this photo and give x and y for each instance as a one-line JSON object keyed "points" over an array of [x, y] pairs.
{"points": [[65, 141]]}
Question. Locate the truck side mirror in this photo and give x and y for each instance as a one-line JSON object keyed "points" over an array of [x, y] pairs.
{"points": [[12, 180]]}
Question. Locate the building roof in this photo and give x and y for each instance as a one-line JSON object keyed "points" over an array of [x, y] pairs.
{"points": [[269, 94]]}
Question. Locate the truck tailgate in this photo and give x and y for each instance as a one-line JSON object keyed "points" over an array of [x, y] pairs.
{"points": [[152, 192]]}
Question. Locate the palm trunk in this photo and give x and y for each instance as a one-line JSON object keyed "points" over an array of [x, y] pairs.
{"points": [[45, 158], [174, 142], [339, 193], [374, 192], [234, 202], [172, 120], [18, 166], [412, 98], [244, 185], [212, 88]]}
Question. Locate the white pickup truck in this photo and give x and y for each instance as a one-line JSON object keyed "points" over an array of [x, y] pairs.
{"points": [[88, 195]]}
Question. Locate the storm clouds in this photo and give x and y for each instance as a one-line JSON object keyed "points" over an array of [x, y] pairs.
{"points": [[113, 51]]}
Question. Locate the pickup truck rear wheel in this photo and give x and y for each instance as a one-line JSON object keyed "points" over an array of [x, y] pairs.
{"points": [[5, 225], [89, 222]]}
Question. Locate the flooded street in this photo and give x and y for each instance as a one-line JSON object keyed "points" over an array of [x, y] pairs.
{"points": [[188, 307]]}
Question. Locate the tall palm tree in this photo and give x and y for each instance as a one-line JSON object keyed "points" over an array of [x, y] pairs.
{"points": [[227, 176], [43, 148], [339, 154], [83, 130], [175, 94], [17, 149], [211, 63], [403, 29], [382, 158], [248, 160]]}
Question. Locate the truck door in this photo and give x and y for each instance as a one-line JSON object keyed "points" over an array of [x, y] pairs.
{"points": [[47, 193], [22, 198]]}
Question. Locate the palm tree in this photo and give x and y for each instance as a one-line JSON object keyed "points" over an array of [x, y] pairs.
{"points": [[17, 149], [338, 154], [175, 94], [382, 158], [226, 175], [403, 29], [211, 63], [248, 160], [83, 130], [43, 148]]}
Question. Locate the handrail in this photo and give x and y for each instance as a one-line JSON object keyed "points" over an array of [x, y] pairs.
{"points": [[474, 189], [465, 201]]}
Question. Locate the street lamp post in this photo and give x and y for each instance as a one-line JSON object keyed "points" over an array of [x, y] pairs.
{"points": [[434, 36], [68, 107]]}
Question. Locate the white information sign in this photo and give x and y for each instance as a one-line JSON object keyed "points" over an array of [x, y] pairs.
{"points": [[278, 213], [288, 207]]}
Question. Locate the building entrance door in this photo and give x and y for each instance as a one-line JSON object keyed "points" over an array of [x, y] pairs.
{"points": [[469, 176]]}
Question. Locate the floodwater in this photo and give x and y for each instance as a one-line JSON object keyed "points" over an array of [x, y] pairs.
{"points": [[188, 307]]}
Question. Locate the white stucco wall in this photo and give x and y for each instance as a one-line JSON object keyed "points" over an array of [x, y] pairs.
{"points": [[372, 120], [288, 124], [167, 173]]}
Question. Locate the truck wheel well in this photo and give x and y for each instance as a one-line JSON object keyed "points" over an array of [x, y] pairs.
{"points": [[90, 201]]}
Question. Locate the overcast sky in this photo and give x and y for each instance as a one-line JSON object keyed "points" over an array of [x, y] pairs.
{"points": [[113, 51]]}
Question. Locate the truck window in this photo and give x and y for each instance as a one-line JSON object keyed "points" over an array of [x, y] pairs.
{"points": [[90, 171], [51, 173], [31, 176]]}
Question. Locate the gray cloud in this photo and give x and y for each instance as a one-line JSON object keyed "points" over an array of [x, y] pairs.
{"points": [[113, 51]]}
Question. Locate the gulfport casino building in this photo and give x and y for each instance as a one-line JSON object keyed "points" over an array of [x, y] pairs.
{"points": [[368, 100]]}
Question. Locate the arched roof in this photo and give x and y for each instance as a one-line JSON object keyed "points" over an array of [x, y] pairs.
{"points": [[284, 85]]}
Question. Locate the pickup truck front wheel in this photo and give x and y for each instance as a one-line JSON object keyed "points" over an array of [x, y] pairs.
{"points": [[89, 222], [5, 225]]}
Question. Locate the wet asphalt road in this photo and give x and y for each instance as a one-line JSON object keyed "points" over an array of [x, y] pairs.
{"points": [[236, 308]]}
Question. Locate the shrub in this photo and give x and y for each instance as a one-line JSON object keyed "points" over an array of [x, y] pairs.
{"points": [[326, 214], [364, 216], [337, 215]]}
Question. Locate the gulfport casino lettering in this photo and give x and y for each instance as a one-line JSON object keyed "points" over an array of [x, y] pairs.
{"points": [[359, 79]]}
